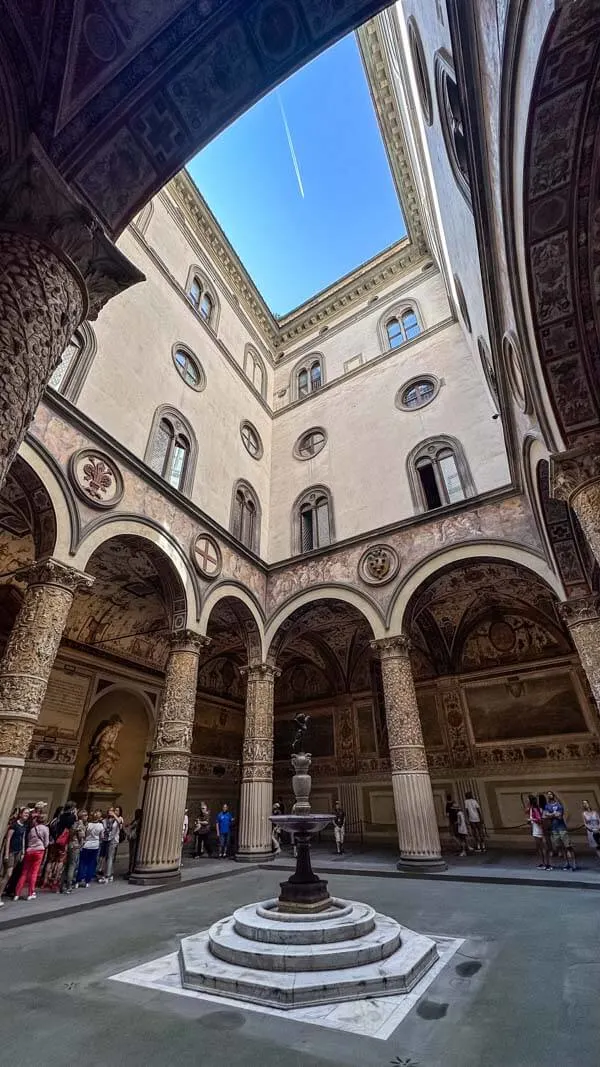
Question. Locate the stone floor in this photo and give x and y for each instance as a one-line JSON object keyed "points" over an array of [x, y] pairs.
{"points": [[494, 866], [520, 991]]}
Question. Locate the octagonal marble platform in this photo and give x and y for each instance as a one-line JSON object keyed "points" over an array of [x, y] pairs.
{"points": [[347, 952]]}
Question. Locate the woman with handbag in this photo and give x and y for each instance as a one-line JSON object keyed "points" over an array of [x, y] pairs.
{"points": [[38, 840]]}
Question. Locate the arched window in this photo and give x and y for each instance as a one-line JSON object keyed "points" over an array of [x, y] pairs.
{"points": [[68, 377], [172, 449], [309, 376], [202, 297], [438, 474], [254, 369], [245, 516], [313, 520], [420, 67], [400, 326], [452, 121]]}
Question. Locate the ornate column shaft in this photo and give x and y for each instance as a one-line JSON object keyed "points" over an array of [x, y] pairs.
{"points": [[582, 617], [256, 797], [159, 848], [413, 797], [57, 267], [575, 478], [26, 664]]}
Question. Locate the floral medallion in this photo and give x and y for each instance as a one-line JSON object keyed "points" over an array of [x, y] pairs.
{"points": [[206, 556], [96, 478], [378, 565]]}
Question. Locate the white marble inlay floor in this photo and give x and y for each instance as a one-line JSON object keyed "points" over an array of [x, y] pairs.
{"points": [[377, 1017]]}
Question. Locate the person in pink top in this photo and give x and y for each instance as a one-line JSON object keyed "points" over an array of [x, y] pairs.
{"points": [[35, 850]]}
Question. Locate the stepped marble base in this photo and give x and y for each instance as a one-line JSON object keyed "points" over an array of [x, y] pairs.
{"points": [[348, 952]]}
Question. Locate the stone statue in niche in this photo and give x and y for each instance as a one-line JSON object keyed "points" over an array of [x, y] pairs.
{"points": [[103, 754]]}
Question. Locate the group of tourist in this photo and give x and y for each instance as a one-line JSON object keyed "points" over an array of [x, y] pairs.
{"points": [[548, 820], [70, 851], [204, 842], [466, 824]]}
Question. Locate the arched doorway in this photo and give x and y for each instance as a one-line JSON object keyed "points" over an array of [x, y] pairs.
{"points": [[221, 706], [504, 704], [328, 671]]}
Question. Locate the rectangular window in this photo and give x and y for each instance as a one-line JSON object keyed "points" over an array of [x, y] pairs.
{"points": [[159, 449], [323, 533], [429, 484], [451, 478], [177, 466], [306, 530]]}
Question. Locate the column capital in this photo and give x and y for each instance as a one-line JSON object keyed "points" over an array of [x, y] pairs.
{"points": [[52, 572], [393, 647], [254, 672], [574, 470], [188, 641], [581, 610], [36, 201]]}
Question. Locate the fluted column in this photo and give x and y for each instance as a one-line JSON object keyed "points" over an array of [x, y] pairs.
{"points": [[159, 848], [26, 664], [57, 267], [575, 478], [413, 797], [256, 797], [582, 617]]}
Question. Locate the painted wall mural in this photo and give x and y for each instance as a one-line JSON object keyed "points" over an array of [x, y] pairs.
{"points": [[539, 706]]}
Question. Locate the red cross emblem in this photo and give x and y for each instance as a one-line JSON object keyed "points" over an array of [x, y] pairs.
{"points": [[207, 556]]}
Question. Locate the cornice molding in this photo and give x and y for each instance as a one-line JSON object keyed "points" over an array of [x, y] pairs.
{"points": [[380, 79]]}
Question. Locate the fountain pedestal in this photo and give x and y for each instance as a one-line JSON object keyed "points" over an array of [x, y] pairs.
{"points": [[304, 891]]}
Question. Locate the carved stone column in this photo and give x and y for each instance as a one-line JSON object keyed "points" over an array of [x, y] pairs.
{"points": [[582, 617], [256, 797], [575, 478], [26, 664], [159, 848], [57, 267], [413, 797]]}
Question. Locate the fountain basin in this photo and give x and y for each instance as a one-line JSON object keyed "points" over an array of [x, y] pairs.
{"points": [[302, 824]]}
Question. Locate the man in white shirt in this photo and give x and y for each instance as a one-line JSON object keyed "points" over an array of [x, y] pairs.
{"points": [[473, 813]]}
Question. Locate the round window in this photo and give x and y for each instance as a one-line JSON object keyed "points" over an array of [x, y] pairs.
{"points": [[188, 368], [251, 439], [417, 393], [310, 443]]}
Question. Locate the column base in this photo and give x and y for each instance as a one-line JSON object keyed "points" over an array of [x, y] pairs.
{"points": [[422, 863], [254, 857], [154, 877]]}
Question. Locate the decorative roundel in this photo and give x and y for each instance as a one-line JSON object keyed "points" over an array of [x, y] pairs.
{"points": [[378, 565], [514, 372], [96, 478], [206, 556]]}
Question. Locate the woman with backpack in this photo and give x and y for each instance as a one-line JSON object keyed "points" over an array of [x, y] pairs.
{"points": [[59, 829]]}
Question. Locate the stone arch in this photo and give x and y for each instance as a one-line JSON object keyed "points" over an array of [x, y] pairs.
{"points": [[483, 550], [231, 589], [55, 484], [183, 594], [317, 593], [562, 213]]}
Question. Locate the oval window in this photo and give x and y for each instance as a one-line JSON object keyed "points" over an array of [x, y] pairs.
{"points": [[188, 368]]}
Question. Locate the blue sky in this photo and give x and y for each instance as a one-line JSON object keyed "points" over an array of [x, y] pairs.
{"points": [[293, 246]]}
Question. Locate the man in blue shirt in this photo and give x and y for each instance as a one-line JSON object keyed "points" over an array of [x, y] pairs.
{"points": [[224, 823], [555, 811]]}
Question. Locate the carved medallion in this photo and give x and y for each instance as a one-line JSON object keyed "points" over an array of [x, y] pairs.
{"points": [[378, 565], [206, 556], [96, 478]]}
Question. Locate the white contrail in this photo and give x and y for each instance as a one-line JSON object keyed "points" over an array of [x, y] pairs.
{"points": [[291, 145]]}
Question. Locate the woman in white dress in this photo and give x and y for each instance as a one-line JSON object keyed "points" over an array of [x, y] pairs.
{"points": [[591, 820]]}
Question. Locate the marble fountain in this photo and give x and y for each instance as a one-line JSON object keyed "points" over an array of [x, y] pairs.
{"points": [[305, 947]]}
